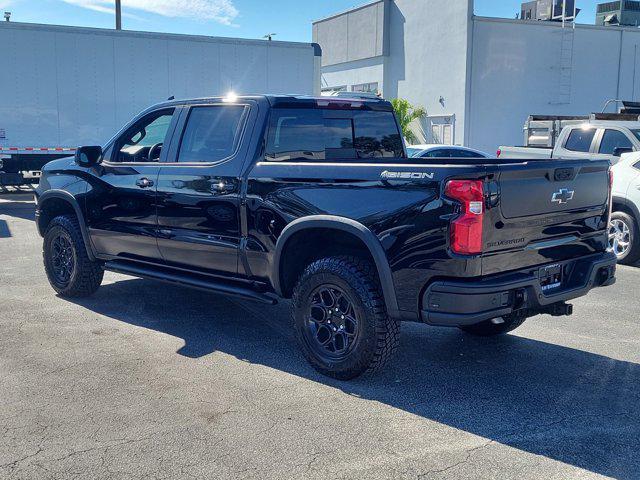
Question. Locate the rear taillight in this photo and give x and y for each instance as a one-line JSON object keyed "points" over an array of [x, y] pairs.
{"points": [[498, 153], [466, 229]]}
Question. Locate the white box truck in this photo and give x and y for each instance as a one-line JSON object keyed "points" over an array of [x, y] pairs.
{"points": [[61, 86]]}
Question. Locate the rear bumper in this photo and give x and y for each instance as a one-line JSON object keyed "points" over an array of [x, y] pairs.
{"points": [[457, 303]]}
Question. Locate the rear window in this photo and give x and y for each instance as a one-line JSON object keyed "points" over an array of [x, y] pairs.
{"points": [[212, 133], [316, 135], [580, 140]]}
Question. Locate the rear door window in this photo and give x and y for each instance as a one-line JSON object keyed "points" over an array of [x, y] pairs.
{"points": [[212, 133], [580, 140], [613, 139]]}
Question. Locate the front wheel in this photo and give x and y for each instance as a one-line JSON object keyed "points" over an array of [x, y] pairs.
{"points": [[495, 326], [340, 319], [69, 269], [624, 238]]}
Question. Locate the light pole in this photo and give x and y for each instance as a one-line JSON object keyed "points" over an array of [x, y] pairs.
{"points": [[118, 15]]}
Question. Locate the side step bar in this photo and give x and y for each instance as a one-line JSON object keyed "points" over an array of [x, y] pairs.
{"points": [[194, 281]]}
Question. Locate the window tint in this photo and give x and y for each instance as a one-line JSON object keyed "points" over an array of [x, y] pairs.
{"points": [[459, 153], [304, 134], [377, 135], [636, 133], [413, 152], [613, 139], [439, 153], [212, 133], [317, 135], [136, 143], [580, 139]]}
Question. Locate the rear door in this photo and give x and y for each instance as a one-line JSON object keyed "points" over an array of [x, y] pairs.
{"points": [[199, 188], [545, 211]]}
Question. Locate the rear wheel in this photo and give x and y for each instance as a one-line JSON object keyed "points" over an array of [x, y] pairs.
{"points": [[340, 318], [69, 269], [495, 326], [624, 238]]}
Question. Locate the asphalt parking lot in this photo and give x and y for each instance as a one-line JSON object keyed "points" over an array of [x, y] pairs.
{"points": [[147, 380]]}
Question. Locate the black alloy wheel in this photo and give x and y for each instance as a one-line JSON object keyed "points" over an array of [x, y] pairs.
{"points": [[63, 258], [332, 323]]}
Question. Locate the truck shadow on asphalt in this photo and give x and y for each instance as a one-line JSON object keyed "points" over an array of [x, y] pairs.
{"points": [[569, 405]]}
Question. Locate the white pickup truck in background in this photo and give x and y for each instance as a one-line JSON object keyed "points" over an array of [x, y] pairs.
{"points": [[597, 136]]}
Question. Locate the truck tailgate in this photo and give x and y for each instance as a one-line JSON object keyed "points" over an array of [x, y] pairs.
{"points": [[540, 212]]}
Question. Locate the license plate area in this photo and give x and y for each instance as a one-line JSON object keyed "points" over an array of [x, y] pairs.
{"points": [[550, 277]]}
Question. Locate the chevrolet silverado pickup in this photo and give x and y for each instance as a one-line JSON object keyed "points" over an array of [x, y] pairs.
{"points": [[315, 200], [599, 136]]}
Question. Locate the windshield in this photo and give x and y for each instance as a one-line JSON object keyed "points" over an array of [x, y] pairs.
{"points": [[412, 152], [636, 133]]}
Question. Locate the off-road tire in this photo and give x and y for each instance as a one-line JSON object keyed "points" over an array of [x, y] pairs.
{"points": [[490, 329], [632, 255], [86, 275], [378, 333]]}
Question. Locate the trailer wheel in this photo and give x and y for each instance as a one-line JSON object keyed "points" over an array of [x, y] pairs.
{"points": [[70, 271]]}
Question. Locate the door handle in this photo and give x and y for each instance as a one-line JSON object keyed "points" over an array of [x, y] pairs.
{"points": [[144, 182]]}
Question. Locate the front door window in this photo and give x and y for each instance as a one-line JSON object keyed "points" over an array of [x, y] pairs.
{"points": [[143, 142]]}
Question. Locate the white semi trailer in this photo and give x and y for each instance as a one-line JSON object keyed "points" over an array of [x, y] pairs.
{"points": [[61, 87]]}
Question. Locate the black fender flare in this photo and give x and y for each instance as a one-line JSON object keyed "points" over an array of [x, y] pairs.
{"points": [[73, 201], [347, 225]]}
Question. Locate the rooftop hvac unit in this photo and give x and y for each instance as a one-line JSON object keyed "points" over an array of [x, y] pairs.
{"points": [[630, 107], [564, 10]]}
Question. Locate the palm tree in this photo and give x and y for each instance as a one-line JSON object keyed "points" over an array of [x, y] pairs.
{"points": [[406, 114]]}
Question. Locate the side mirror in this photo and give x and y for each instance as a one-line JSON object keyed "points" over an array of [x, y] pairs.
{"points": [[619, 151], [88, 156]]}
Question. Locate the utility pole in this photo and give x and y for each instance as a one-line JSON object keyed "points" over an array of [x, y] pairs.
{"points": [[118, 15]]}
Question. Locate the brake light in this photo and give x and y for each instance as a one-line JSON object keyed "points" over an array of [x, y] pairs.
{"points": [[498, 153], [466, 230]]}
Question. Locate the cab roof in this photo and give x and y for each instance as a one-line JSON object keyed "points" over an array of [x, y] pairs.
{"points": [[290, 101]]}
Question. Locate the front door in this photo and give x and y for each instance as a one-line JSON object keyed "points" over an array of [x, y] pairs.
{"points": [[121, 199], [199, 189]]}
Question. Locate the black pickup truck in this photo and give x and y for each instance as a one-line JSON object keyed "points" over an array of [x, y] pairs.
{"points": [[314, 199]]}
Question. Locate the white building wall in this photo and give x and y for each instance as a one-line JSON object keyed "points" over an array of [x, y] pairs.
{"points": [[426, 60], [428, 57], [354, 35], [355, 73], [516, 67]]}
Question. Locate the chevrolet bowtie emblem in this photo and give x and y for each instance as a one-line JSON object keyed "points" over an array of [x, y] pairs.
{"points": [[563, 196]]}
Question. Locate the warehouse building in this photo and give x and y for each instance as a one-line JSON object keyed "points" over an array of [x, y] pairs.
{"points": [[478, 78], [622, 12]]}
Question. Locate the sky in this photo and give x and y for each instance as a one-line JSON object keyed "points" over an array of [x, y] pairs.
{"points": [[289, 19]]}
